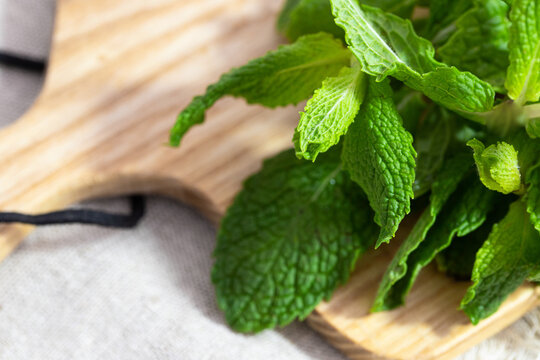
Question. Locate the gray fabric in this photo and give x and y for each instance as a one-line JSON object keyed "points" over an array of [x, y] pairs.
{"points": [[83, 292]]}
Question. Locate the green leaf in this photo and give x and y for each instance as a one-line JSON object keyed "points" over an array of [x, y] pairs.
{"points": [[285, 76], [385, 44], [443, 15], [528, 150], [402, 8], [291, 236], [464, 133], [523, 77], [465, 212], [329, 113], [533, 128], [379, 155], [301, 17], [285, 14], [497, 165], [480, 44], [509, 255], [458, 259], [310, 17], [534, 276], [394, 285], [431, 142], [533, 195], [410, 105]]}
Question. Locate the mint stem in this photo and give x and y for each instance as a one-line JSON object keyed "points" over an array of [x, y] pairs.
{"points": [[532, 111]]}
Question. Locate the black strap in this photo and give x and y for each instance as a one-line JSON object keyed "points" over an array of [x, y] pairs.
{"points": [[22, 62], [75, 216], [82, 216]]}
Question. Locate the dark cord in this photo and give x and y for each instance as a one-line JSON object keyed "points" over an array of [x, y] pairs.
{"points": [[22, 62], [75, 216], [82, 216]]}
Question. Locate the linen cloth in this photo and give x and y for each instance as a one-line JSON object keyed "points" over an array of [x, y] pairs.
{"points": [[84, 292]]}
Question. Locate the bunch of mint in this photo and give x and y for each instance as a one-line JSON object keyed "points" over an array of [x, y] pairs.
{"points": [[440, 106]]}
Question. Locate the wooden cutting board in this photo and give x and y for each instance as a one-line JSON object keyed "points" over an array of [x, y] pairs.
{"points": [[119, 73]]}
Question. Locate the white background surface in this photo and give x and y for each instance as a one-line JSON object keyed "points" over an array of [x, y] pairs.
{"points": [[83, 292]]}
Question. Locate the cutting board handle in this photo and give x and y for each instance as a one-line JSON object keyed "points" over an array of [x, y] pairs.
{"points": [[39, 175], [119, 73]]}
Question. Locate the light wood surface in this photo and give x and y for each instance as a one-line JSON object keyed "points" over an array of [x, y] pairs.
{"points": [[119, 73]]}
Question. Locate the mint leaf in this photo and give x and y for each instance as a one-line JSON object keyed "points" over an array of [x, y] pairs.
{"points": [[509, 255], [480, 44], [285, 14], [533, 195], [523, 77], [464, 213], [497, 165], [301, 17], [285, 76], [310, 17], [410, 106], [528, 151], [457, 260], [394, 285], [291, 236], [431, 141], [534, 275], [402, 8], [385, 44], [379, 155], [533, 128], [443, 15], [528, 156], [329, 113]]}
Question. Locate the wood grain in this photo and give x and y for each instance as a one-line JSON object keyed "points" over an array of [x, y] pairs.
{"points": [[429, 326], [119, 72]]}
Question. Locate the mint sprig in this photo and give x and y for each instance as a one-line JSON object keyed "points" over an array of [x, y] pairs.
{"points": [[443, 108]]}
